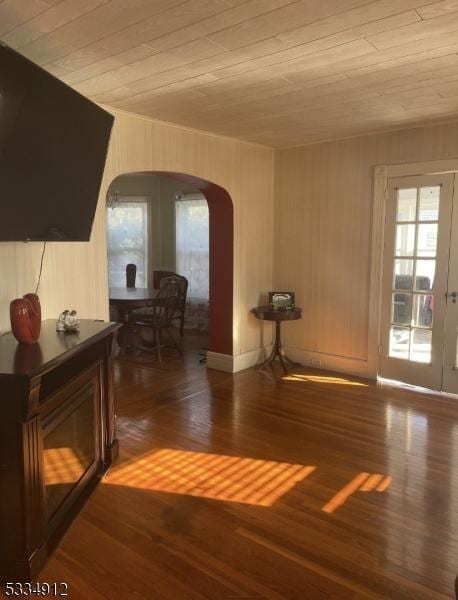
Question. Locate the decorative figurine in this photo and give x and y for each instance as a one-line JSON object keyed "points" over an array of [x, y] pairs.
{"points": [[68, 321], [60, 325], [72, 322]]}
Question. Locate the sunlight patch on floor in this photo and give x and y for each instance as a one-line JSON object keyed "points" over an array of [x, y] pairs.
{"points": [[220, 477], [364, 482], [323, 379]]}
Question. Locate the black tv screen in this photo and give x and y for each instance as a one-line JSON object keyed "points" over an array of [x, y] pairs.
{"points": [[53, 147]]}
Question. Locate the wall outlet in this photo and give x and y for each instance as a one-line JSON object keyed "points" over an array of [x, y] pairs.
{"points": [[315, 362]]}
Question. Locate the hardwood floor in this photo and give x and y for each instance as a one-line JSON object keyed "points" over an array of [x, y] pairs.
{"points": [[312, 486]]}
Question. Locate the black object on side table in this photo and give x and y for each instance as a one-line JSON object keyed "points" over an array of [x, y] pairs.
{"points": [[266, 313]]}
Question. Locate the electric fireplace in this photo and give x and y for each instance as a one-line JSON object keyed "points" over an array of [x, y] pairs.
{"points": [[71, 443], [57, 437]]}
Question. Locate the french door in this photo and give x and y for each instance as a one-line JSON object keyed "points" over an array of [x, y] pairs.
{"points": [[419, 315]]}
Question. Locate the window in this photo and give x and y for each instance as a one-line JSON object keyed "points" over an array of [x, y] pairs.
{"points": [[127, 232], [192, 243]]}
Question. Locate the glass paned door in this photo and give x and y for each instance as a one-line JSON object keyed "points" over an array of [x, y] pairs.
{"points": [[412, 301], [416, 255]]}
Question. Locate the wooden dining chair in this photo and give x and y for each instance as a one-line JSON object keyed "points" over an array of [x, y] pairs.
{"points": [[182, 284], [158, 276], [157, 318], [131, 275]]}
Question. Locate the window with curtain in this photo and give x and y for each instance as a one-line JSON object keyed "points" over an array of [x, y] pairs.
{"points": [[127, 233], [192, 244]]}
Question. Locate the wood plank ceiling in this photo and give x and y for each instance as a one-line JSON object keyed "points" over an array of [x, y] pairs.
{"points": [[276, 72]]}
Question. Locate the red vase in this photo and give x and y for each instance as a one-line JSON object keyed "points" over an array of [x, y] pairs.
{"points": [[25, 315]]}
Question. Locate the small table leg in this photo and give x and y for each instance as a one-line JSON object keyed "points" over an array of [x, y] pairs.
{"points": [[123, 336], [277, 351]]}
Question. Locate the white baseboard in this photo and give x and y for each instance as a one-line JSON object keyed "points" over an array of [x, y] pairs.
{"points": [[220, 362], [319, 360], [250, 359], [329, 362], [233, 364]]}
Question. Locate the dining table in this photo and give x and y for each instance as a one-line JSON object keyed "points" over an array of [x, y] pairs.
{"points": [[127, 299]]}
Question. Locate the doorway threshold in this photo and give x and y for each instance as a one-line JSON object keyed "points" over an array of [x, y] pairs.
{"points": [[415, 388]]}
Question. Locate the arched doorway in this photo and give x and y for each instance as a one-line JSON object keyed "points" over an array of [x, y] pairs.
{"points": [[221, 257]]}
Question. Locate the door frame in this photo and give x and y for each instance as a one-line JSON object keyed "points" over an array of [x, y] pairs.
{"points": [[428, 375], [381, 174]]}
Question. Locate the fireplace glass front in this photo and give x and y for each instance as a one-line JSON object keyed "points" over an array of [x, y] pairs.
{"points": [[70, 448]]}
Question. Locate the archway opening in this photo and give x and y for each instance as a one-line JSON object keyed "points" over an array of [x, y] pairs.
{"points": [[221, 255]]}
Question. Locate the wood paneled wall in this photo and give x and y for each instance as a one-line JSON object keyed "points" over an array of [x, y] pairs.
{"points": [[75, 275], [321, 225], [323, 221]]}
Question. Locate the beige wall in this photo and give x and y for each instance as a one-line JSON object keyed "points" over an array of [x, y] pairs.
{"points": [[75, 274], [323, 221]]}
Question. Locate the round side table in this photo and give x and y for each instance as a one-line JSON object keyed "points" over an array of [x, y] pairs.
{"points": [[266, 313]]}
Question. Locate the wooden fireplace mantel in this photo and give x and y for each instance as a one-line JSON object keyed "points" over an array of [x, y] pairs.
{"points": [[41, 384]]}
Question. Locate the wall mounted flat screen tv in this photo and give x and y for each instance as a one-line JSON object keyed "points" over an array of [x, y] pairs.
{"points": [[53, 147]]}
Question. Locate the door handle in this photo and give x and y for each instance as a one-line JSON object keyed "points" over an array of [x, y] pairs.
{"points": [[452, 295]]}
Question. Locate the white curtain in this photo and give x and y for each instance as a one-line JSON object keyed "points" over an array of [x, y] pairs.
{"points": [[127, 233], [192, 244]]}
